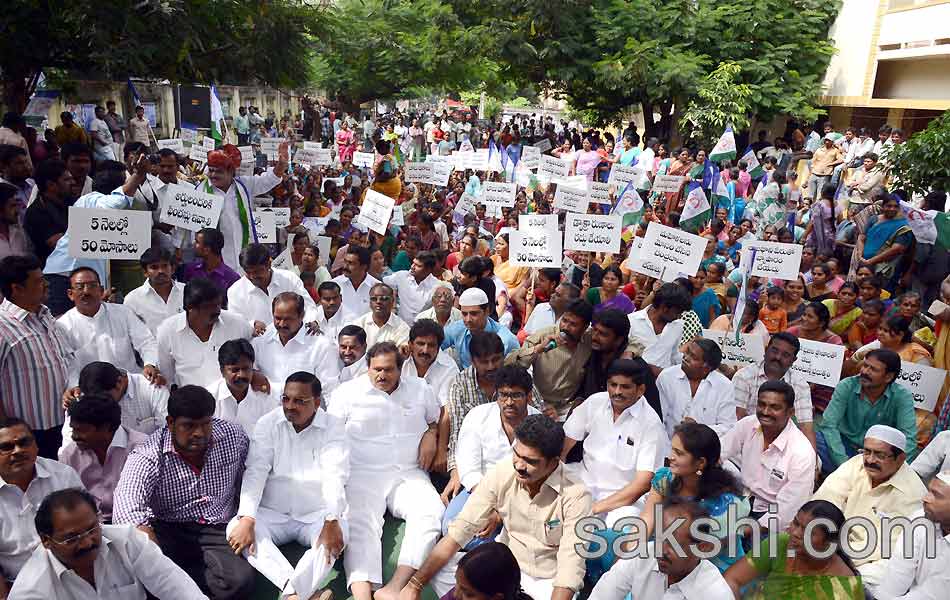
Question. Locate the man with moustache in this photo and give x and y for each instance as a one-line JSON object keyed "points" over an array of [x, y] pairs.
{"points": [[81, 558], [351, 348], [557, 355], [25, 479], [180, 488], [670, 574], [609, 334], [427, 361], [696, 391], [624, 442], [293, 489], [78, 159], [871, 398], [235, 400], [876, 485], [356, 282], [332, 316], [381, 323], [160, 296], [391, 426], [658, 327], [539, 506]]}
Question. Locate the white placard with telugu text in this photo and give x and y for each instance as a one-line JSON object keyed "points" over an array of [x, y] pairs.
{"points": [[668, 183], [774, 260], [174, 144], [264, 225], [819, 363], [750, 349], [536, 243], [106, 233], [923, 382], [184, 206], [376, 211], [592, 233], [671, 252]]}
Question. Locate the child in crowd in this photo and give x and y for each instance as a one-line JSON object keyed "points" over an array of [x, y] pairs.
{"points": [[773, 314]]}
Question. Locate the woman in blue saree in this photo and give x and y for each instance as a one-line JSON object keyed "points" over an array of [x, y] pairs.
{"points": [[885, 242]]}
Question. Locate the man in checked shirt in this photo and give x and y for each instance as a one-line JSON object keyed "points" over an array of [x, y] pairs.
{"points": [[180, 487]]}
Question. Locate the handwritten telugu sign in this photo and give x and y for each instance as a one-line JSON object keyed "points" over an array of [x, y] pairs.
{"points": [[668, 183], [531, 157], [363, 159], [270, 146], [750, 349], [265, 226], [498, 193], [592, 233], [281, 215], [189, 135], [174, 144], [376, 211], [923, 382], [313, 157], [571, 199], [207, 143], [184, 206], [198, 153], [108, 233], [441, 171], [419, 172], [668, 253], [772, 259], [247, 154], [819, 363], [553, 169], [621, 175], [600, 192], [536, 243], [543, 145]]}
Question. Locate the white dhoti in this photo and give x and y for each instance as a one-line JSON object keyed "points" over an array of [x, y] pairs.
{"points": [[578, 472], [273, 529], [408, 495]]}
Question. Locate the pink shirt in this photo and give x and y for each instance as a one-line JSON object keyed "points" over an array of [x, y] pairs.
{"points": [[100, 479], [742, 185], [782, 474]]}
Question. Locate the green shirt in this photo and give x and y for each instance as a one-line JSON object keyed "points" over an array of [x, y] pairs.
{"points": [[849, 416]]}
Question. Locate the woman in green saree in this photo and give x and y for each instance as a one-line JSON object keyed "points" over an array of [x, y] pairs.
{"points": [[844, 311], [794, 573]]}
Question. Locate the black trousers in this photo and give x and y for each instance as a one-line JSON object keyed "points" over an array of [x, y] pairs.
{"points": [[48, 441], [56, 299], [203, 552]]}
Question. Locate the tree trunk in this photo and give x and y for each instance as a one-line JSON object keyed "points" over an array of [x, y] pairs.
{"points": [[15, 95]]}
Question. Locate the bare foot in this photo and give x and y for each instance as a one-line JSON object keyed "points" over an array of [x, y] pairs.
{"points": [[326, 594]]}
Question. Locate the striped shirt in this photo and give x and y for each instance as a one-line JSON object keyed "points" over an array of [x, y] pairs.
{"points": [[34, 365]]}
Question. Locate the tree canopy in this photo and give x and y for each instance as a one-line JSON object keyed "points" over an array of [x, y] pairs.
{"points": [[922, 163]]}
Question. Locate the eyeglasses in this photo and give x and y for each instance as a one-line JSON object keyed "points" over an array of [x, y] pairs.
{"points": [[878, 454], [515, 396], [88, 285], [79, 536]]}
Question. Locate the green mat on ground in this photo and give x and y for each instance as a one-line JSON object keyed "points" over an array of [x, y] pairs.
{"points": [[392, 539]]}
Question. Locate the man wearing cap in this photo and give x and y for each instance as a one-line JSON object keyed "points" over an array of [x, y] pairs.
{"points": [[921, 573], [877, 486], [871, 398], [237, 216], [475, 307], [823, 163]]}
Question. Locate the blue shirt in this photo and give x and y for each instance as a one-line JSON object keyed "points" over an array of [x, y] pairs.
{"points": [[458, 336], [61, 263]]}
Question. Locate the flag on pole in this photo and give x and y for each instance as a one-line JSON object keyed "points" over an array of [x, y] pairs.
{"points": [[217, 115], [725, 148], [754, 168], [136, 100], [629, 206], [740, 302], [720, 195], [696, 212]]}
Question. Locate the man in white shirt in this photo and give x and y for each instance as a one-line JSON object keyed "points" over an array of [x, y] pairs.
{"points": [[916, 571], [414, 287], [427, 361], [104, 331], [391, 432], [546, 314], [648, 156], [668, 575], [658, 327], [101, 137], [442, 311], [624, 443], [188, 343], [775, 459], [934, 458], [696, 391], [144, 406], [356, 282], [25, 479], [160, 296], [331, 314], [351, 348], [235, 400], [81, 558], [252, 296], [294, 489], [287, 347], [381, 323]]}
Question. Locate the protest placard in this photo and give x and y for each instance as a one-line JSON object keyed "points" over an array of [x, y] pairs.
{"points": [[465, 205], [543, 145], [323, 157], [621, 175], [208, 142], [264, 225], [363, 159], [668, 183], [189, 135], [923, 382], [750, 349], [316, 225], [376, 211], [819, 363], [337, 181], [441, 171], [553, 169], [245, 170], [174, 144], [531, 157], [537, 243], [184, 206], [479, 160], [270, 146], [198, 153], [435, 158], [397, 218], [281, 216], [305, 157], [109, 233], [312, 146], [497, 193], [600, 192], [571, 199], [592, 233], [670, 253], [247, 154], [774, 260], [419, 172]]}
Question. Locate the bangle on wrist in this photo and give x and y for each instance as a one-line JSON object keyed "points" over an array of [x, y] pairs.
{"points": [[415, 583]]}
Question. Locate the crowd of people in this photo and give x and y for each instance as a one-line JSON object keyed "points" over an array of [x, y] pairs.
{"points": [[166, 439]]}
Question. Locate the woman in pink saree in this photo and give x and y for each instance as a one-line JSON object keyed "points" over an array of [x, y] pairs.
{"points": [[345, 143], [587, 161]]}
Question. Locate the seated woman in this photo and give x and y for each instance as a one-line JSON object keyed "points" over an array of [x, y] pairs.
{"points": [[750, 322], [885, 242], [796, 573], [488, 572], [843, 310], [818, 289], [814, 326], [609, 294], [705, 302], [865, 329]]}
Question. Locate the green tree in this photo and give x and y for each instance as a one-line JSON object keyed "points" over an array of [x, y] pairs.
{"points": [[719, 101], [233, 41], [922, 163]]}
